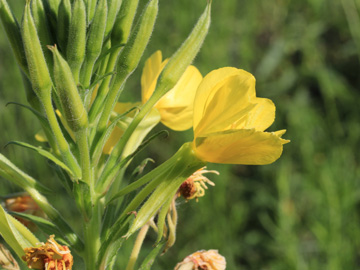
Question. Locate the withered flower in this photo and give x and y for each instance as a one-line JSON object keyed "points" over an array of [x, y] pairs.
{"points": [[194, 187], [203, 260], [49, 256]]}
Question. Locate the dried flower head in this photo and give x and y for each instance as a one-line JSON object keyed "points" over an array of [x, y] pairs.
{"points": [[194, 187], [49, 256], [203, 260], [7, 261]]}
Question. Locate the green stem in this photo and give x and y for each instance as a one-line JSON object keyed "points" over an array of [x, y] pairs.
{"points": [[82, 142], [92, 237], [64, 148]]}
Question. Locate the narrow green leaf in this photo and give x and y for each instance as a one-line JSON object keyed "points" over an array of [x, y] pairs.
{"points": [[44, 153], [16, 235], [44, 225], [149, 260]]}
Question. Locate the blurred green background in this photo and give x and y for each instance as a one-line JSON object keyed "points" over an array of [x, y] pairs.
{"points": [[302, 212]]}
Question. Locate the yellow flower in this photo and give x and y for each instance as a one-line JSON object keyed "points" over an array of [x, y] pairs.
{"points": [[201, 260], [176, 107], [229, 121]]}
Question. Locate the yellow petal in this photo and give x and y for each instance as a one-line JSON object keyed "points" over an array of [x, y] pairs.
{"points": [[260, 117], [176, 107], [225, 96], [152, 69], [40, 136], [244, 146]]}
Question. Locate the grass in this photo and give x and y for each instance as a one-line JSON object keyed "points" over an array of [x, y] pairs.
{"points": [[301, 212]]}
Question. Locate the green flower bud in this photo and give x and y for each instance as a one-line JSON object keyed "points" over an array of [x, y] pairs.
{"points": [[94, 41], [38, 70], [75, 52], [113, 9], [74, 110], [52, 8], [124, 21], [183, 57], [130, 57], [63, 24], [13, 33], [42, 28]]}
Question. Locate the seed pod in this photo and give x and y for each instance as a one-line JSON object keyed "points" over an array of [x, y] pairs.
{"points": [[38, 70], [124, 21], [42, 28], [94, 42], [63, 24], [74, 110], [13, 33], [75, 52], [183, 57]]}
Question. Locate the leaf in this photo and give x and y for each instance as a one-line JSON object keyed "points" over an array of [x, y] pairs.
{"points": [[38, 115], [12, 173], [16, 235], [45, 225], [44, 153], [149, 260]]}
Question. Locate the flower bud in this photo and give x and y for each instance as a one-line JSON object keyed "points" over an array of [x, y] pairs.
{"points": [[75, 52], [124, 21], [38, 70], [63, 24], [130, 57], [183, 57], [113, 9], [74, 109], [13, 33], [94, 41], [42, 28]]}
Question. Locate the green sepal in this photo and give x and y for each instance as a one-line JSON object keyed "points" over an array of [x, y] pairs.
{"points": [[44, 225], [149, 260], [15, 234], [44, 153]]}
